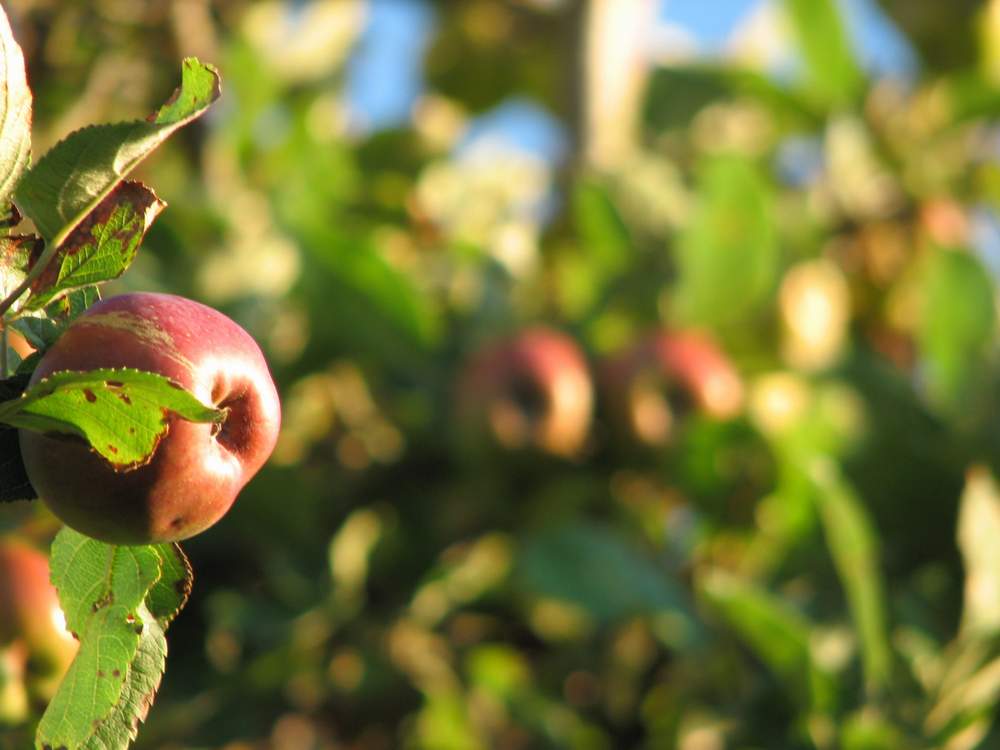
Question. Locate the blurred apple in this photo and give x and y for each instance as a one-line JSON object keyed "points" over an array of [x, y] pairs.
{"points": [[530, 391], [649, 385], [31, 620]]}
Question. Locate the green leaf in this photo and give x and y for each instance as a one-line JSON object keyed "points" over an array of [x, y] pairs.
{"points": [[100, 587], [15, 115], [41, 328], [589, 567], [853, 543], [778, 634], [379, 288], [604, 236], [122, 413], [978, 531], [90, 575], [970, 95], [101, 247], [603, 251], [115, 599], [80, 171], [728, 256], [170, 593], [361, 283], [120, 727], [958, 320], [94, 683], [833, 72]]}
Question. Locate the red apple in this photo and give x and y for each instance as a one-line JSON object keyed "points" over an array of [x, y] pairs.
{"points": [[32, 626], [650, 384], [197, 470], [529, 391]]}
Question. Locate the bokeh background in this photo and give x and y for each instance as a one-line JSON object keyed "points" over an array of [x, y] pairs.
{"points": [[787, 542]]}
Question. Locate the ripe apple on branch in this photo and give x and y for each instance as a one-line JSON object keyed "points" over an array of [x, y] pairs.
{"points": [[197, 469]]}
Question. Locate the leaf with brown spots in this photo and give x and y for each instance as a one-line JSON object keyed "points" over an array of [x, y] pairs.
{"points": [[123, 413], [170, 593], [66, 184], [142, 680], [100, 587], [121, 600], [101, 246], [107, 643]]}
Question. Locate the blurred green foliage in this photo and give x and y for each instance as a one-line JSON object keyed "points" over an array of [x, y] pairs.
{"points": [[815, 570]]}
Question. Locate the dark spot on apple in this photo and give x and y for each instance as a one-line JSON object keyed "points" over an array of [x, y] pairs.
{"points": [[100, 673], [117, 673], [115, 383], [112, 448], [177, 522], [124, 397], [131, 430], [138, 629], [89, 395]]}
